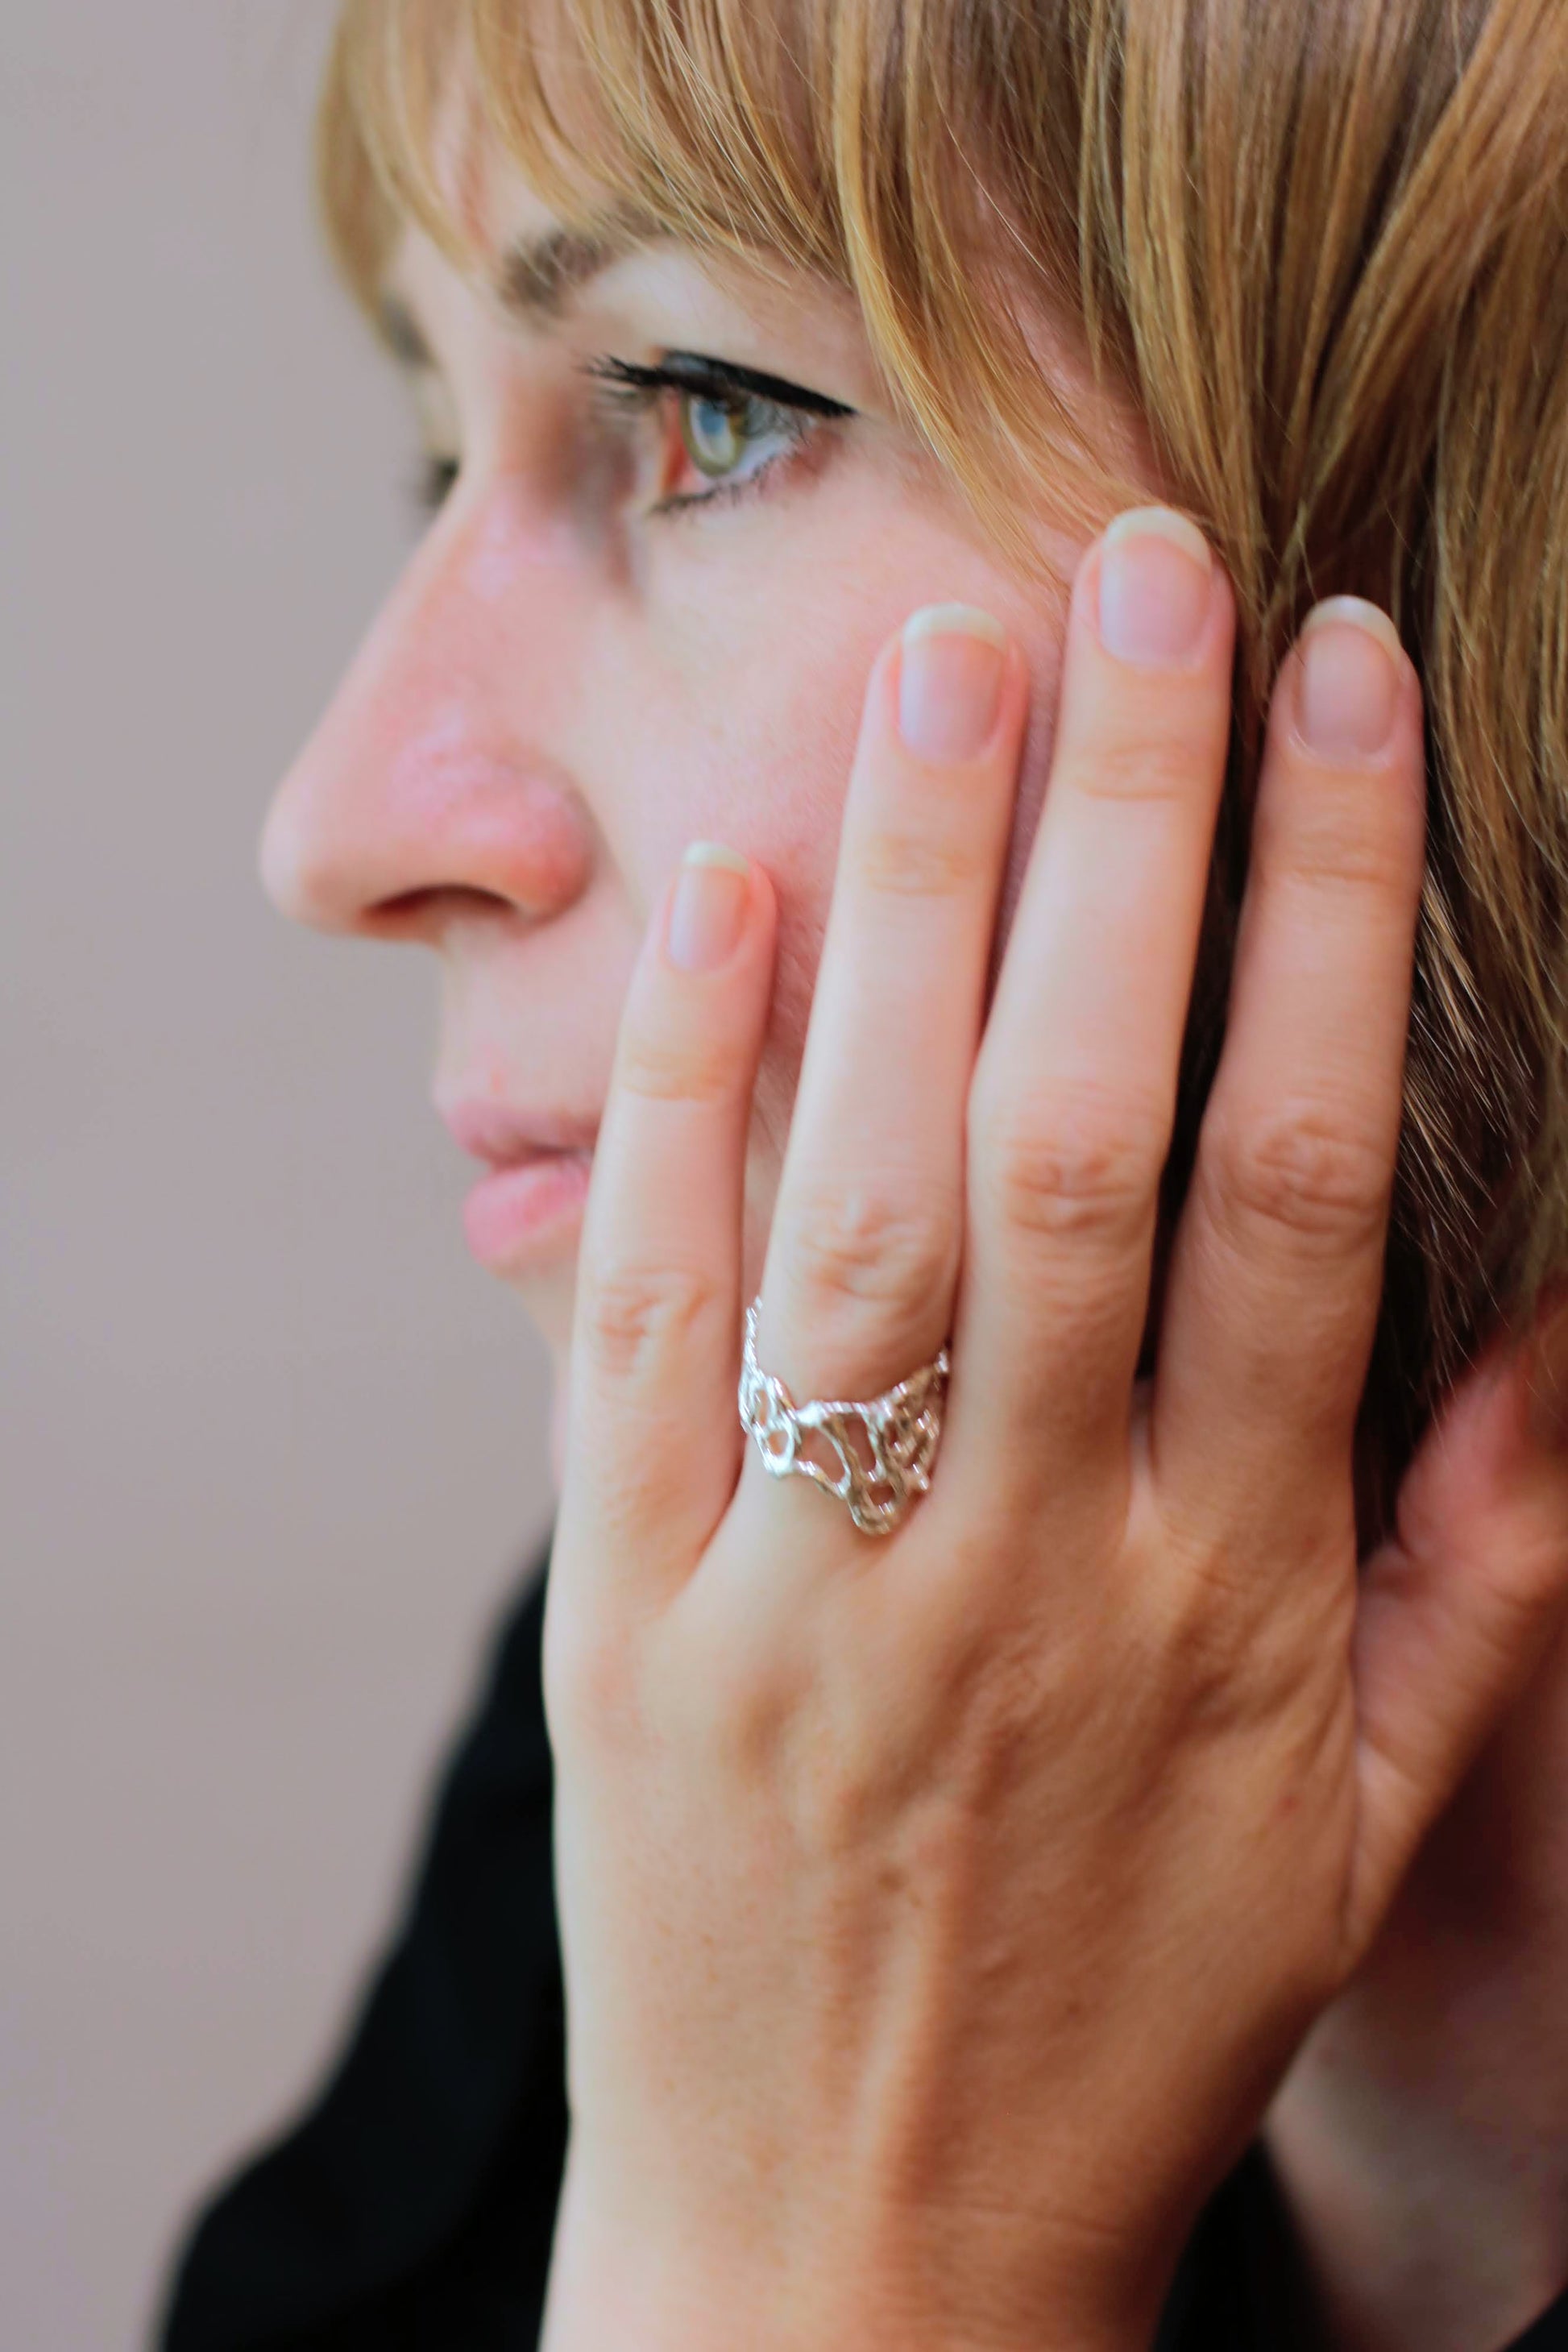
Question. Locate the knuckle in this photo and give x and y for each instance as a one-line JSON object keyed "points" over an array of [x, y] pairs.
{"points": [[905, 862], [1223, 1663], [1299, 1172], [1158, 767], [1322, 828], [636, 1316], [1329, 840], [1087, 1160], [869, 1246], [1009, 1705], [685, 1069]]}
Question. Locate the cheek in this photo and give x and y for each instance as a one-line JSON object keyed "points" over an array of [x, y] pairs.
{"points": [[745, 727], [749, 743], [788, 794]]}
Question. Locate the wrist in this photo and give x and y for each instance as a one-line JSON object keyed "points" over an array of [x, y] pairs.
{"points": [[686, 2314], [657, 2286]]}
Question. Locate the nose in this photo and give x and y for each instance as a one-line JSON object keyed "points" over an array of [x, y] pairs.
{"points": [[427, 789]]}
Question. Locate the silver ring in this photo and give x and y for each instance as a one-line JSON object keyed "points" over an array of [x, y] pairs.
{"points": [[878, 1480]]}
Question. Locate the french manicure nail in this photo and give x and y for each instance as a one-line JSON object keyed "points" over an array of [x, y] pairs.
{"points": [[1348, 691], [1155, 583], [708, 910], [949, 680]]}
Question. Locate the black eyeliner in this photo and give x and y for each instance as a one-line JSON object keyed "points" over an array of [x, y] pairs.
{"points": [[692, 372]]}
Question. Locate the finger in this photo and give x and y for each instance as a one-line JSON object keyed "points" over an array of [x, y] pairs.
{"points": [[1074, 1094], [1458, 1608], [864, 1250], [1277, 1265], [653, 1439]]}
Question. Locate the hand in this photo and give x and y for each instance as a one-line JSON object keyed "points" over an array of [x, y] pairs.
{"points": [[939, 1912], [1418, 2135]]}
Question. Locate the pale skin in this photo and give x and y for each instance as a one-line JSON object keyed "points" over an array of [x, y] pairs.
{"points": [[1115, 1672]]}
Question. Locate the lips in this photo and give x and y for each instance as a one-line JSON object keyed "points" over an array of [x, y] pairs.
{"points": [[527, 1208], [505, 1138]]}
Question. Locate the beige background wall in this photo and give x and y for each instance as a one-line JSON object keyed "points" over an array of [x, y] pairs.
{"points": [[271, 1449]]}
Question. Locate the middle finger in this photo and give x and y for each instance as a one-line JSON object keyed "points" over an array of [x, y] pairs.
{"points": [[1075, 1092]]}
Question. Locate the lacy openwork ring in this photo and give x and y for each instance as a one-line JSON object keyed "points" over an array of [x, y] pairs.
{"points": [[876, 1457]]}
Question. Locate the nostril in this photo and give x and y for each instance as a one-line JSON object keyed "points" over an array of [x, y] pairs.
{"points": [[424, 913]]}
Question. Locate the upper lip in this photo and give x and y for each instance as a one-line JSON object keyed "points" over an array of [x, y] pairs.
{"points": [[507, 1138]]}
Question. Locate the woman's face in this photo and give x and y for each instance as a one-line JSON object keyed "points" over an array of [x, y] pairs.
{"points": [[640, 617]]}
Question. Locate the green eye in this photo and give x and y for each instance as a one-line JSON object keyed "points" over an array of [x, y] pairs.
{"points": [[714, 433], [734, 423]]}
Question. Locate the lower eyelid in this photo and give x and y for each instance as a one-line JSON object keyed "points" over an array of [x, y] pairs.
{"points": [[813, 437]]}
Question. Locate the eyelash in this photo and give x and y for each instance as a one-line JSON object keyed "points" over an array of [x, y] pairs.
{"points": [[434, 481], [626, 388], [767, 402]]}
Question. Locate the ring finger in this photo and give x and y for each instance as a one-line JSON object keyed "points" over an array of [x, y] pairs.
{"points": [[863, 1253]]}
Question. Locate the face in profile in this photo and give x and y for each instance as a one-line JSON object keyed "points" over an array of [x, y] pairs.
{"points": [[677, 515]]}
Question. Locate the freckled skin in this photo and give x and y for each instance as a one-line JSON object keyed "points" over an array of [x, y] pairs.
{"points": [[563, 689]]}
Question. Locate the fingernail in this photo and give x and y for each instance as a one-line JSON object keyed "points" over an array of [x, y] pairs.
{"points": [[1549, 1380], [708, 910], [949, 680], [1155, 574], [1348, 691]]}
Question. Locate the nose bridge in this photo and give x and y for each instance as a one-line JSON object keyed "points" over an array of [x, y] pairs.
{"points": [[439, 765]]}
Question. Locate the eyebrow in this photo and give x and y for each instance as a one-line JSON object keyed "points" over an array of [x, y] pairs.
{"points": [[541, 276], [539, 279]]}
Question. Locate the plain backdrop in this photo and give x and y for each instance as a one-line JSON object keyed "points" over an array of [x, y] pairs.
{"points": [[272, 1448]]}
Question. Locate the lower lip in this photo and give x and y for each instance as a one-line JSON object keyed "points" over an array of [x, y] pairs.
{"points": [[516, 1216]]}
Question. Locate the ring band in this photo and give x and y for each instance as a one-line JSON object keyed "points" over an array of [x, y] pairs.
{"points": [[877, 1480]]}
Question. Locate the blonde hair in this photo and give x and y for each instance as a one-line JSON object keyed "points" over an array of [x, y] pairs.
{"points": [[1322, 246]]}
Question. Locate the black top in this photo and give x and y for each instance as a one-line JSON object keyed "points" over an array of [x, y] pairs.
{"points": [[411, 2210]]}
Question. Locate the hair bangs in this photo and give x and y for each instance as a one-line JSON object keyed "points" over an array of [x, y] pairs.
{"points": [[698, 122], [792, 134]]}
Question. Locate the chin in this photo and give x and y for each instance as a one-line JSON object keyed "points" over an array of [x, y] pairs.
{"points": [[548, 1300]]}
